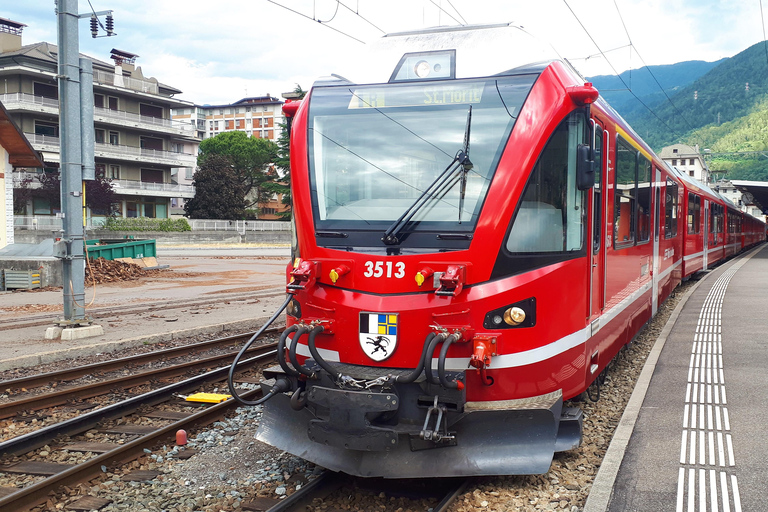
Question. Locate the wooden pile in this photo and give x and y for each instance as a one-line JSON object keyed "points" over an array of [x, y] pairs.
{"points": [[108, 271]]}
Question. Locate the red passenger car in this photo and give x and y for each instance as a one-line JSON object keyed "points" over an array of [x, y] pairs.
{"points": [[475, 241]]}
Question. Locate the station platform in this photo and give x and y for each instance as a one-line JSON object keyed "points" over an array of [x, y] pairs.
{"points": [[693, 437]]}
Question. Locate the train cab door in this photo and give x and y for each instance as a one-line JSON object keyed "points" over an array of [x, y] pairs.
{"points": [[597, 267], [657, 225]]}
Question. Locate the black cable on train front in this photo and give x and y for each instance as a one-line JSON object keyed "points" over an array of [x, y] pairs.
{"points": [[431, 379], [405, 379], [281, 385], [281, 351], [303, 329], [441, 363], [316, 355]]}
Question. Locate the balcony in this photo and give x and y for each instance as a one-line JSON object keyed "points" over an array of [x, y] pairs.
{"points": [[123, 187], [120, 118], [104, 78], [46, 143], [31, 103], [141, 188]]}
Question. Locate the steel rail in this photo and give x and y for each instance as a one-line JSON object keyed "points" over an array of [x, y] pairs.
{"points": [[27, 442], [43, 379], [65, 396], [329, 482], [38, 493]]}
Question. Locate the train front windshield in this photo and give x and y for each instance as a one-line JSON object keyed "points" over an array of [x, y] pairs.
{"points": [[374, 151]]}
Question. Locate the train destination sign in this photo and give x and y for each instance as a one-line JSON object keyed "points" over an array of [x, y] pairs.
{"points": [[414, 96]]}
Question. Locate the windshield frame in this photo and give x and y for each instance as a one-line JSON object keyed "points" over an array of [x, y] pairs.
{"points": [[422, 235]]}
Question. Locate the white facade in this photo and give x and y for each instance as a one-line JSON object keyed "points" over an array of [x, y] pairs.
{"points": [[688, 160], [6, 208], [259, 116]]}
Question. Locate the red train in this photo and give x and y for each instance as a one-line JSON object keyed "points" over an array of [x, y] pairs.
{"points": [[472, 248]]}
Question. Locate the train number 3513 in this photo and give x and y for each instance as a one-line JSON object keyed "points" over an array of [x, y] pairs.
{"points": [[384, 269]]}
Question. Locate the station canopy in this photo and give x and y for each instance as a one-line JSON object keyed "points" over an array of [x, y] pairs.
{"points": [[755, 192]]}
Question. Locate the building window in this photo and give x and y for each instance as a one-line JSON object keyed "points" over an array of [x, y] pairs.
{"points": [[98, 100], [47, 129], [112, 103], [189, 173], [46, 90], [674, 161], [690, 172], [674, 150], [114, 172], [98, 136], [221, 111], [151, 111], [114, 138], [691, 161]]}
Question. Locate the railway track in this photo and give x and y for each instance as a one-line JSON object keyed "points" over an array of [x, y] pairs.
{"points": [[107, 312], [22, 454], [439, 493], [76, 396]]}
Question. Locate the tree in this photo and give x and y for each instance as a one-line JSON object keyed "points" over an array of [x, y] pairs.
{"points": [[249, 160], [100, 197], [99, 194], [283, 162], [219, 190], [21, 195]]}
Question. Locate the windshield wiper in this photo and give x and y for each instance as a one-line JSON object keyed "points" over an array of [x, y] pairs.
{"points": [[437, 188]]}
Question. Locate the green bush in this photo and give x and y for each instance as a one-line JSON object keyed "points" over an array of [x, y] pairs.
{"points": [[146, 224]]}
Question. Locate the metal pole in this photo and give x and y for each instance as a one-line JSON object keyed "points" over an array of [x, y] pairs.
{"points": [[71, 163]]}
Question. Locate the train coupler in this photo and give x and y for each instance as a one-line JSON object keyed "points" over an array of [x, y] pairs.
{"points": [[438, 435]]}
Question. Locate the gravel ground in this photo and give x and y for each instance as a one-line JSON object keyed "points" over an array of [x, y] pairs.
{"points": [[231, 468]]}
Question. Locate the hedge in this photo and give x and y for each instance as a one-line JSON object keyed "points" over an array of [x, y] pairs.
{"points": [[146, 224]]}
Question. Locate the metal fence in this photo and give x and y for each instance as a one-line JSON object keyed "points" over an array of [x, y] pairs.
{"points": [[51, 223]]}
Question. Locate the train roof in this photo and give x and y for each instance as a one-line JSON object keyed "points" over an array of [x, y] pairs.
{"points": [[477, 52]]}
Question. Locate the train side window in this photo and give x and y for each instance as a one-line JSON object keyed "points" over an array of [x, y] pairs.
{"points": [[550, 218], [597, 198], [691, 205], [694, 213], [670, 210], [643, 199], [625, 198]]}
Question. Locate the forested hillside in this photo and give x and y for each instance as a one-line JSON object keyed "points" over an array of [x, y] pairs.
{"points": [[724, 110]]}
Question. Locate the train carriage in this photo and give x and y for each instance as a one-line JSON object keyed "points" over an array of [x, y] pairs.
{"points": [[475, 241]]}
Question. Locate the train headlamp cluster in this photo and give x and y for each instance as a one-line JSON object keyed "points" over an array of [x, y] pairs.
{"points": [[518, 315], [437, 65]]}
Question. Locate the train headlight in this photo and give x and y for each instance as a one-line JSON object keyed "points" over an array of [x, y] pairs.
{"points": [[422, 69], [514, 316], [518, 315], [434, 65]]}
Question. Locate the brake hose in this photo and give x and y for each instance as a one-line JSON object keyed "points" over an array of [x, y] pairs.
{"points": [[280, 386]]}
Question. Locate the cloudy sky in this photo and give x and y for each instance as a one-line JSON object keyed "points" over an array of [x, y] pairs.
{"points": [[221, 51]]}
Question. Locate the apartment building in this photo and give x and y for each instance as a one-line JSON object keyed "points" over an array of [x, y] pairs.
{"points": [[257, 116], [137, 143], [688, 160]]}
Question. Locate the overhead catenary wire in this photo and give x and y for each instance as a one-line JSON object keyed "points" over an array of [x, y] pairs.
{"points": [[632, 45], [355, 11], [315, 19], [457, 12], [440, 7], [762, 20], [617, 73]]}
